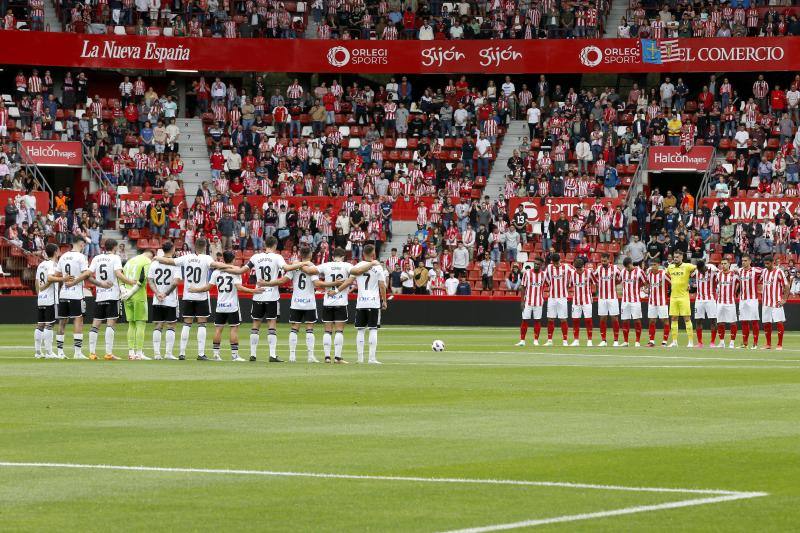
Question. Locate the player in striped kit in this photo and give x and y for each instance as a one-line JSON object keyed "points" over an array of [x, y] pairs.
{"points": [[749, 279], [705, 303], [606, 277], [773, 297], [532, 301], [727, 282], [633, 279], [657, 308], [581, 283], [557, 276]]}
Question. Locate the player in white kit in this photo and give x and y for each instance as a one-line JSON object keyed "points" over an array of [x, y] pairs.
{"points": [[195, 305], [106, 268], [227, 312], [371, 300], [71, 305], [163, 280], [47, 302], [334, 308], [267, 266]]}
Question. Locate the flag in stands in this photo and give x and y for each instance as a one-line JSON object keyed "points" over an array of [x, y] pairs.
{"points": [[651, 53], [670, 51]]}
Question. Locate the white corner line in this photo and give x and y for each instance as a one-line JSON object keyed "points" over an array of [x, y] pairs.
{"points": [[612, 512], [714, 496]]}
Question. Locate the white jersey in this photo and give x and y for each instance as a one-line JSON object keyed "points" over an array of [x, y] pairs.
{"points": [[267, 267], [227, 293], [162, 276], [369, 293], [302, 290], [337, 271], [72, 264], [47, 296], [194, 272], [105, 268]]}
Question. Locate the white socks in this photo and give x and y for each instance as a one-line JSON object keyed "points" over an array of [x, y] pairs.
{"points": [[109, 340], [170, 341], [77, 339], [60, 344], [360, 345], [338, 344], [326, 344], [93, 340], [37, 341], [254, 338], [157, 342], [47, 341], [292, 344], [272, 339], [373, 343], [201, 339], [311, 341], [187, 328]]}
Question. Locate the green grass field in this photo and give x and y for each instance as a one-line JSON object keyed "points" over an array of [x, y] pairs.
{"points": [[722, 420]]}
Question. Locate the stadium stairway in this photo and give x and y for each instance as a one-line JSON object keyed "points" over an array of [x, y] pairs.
{"points": [[194, 153], [511, 141], [51, 19], [401, 229], [618, 10]]}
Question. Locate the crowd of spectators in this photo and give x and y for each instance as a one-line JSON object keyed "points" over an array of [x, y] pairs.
{"points": [[738, 18]]}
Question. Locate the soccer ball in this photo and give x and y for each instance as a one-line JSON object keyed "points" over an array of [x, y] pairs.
{"points": [[437, 346]]}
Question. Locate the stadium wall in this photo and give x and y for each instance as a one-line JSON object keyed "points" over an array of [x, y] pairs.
{"points": [[403, 310]]}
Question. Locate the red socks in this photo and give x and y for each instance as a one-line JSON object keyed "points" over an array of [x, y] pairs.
{"points": [[734, 329], [523, 330], [666, 330], [754, 324], [721, 331], [745, 332], [551, 326], [576, 328], [564, 329], [713, 335], [780, 333], [768, 333], [626, 328], [615, 325], [699, 332], [638, 326], [603, 328], [652, 330], [589, 325], [537, 328]]}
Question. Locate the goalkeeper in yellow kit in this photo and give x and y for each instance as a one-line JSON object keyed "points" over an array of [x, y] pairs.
{"points": [[679, 304]]}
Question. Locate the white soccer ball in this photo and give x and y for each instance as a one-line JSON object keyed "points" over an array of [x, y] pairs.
{"points": [[437, 346]]}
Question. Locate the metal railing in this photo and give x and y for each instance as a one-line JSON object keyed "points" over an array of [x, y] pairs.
{"points": [[92, 165], [33, 168], [636, 181], [703, 191]]}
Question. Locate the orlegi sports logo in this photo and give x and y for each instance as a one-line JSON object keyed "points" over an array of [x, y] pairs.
{"points": [[591, 56], [339, 56]]}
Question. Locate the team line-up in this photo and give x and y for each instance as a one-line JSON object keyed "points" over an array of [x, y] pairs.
{"points": [[668, 301], [60, 280]]}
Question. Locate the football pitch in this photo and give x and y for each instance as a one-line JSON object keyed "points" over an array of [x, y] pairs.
{"points": [[484, 436]]}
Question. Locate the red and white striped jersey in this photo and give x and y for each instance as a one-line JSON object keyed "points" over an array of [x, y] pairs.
{"points": [[534, 288], [581, 283], [774, 285], [632, 281], [557, 278], [706, 283], [726, 287], [606, 279], [658, 282], [749, 279]]}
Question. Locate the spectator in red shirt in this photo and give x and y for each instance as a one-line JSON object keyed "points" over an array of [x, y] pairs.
{"points": [[777, 101], [217, 163], [132, 116]]}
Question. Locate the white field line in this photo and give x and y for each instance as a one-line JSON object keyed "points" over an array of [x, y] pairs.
{"points": [[712, 496], [609, 513]]}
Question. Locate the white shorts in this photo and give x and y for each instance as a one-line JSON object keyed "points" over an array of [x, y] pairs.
{"points": [[632, 311], [748, 310], [726, 313], [705, 309], [658, 311], [532, 312], [772, 314], [584, 311], [608, 307], [557, 308]]}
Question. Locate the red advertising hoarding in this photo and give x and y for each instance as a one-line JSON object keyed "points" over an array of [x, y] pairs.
{"points": [[679, 159], [53, 153], [536, 210], [746, 209], [411, 57]]}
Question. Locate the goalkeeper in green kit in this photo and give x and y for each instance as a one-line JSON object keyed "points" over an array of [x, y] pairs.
{"points": [[135, 298]]}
